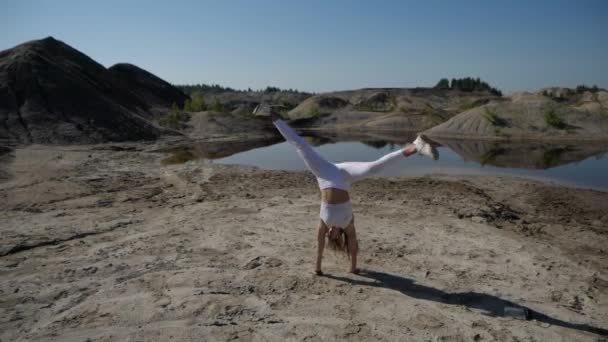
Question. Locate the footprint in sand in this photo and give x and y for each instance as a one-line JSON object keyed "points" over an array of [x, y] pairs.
{"points": [[423, 321], [163, 301], [262, 260]]}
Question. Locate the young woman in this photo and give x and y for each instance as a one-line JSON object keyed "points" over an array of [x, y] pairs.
{"points": [[337, 221]]}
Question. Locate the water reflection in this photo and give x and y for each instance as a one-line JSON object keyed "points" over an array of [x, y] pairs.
{"points": [[524, 155], [520, 155], [377, 139], [577, 164], [212, 149]]}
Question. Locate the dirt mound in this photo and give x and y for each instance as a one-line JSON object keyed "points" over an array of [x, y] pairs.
{"points": [[156, 92], [332, 102], [412, 109], [208, 124], [378, 102], [53, 93], [552, 114]]}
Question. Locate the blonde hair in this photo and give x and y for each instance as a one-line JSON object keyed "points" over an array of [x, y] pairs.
{"points": [[339, 243]]}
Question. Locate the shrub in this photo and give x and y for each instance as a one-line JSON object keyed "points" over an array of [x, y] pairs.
{"points": [[195, 104], [553, 120], [217, 106], [174, 119], [493, 117]]}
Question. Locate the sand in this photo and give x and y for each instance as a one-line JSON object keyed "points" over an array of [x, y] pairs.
{"points": [[106, 243]]}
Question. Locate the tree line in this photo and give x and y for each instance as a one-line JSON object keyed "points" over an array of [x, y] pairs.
{"points": [[190, 89], [467, 84]]}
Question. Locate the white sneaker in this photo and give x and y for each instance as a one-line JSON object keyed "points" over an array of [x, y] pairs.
{"points": [[425, 148]]}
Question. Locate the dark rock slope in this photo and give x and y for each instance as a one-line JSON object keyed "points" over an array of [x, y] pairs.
{"points": [[52, 93], [157, 93]]}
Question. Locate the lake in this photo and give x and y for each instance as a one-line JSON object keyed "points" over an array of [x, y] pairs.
{"points": [[583, 165]]}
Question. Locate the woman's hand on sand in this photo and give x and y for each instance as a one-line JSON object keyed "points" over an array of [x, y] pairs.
{"points": [[409, 149]]}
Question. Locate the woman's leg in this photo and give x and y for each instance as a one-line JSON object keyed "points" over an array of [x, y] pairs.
{"points": [[316, 164], [359, 170], [322, 231], [353, 246]]}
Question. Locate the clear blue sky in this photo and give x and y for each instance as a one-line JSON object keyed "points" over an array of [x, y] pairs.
{"points": [[330, 45]]}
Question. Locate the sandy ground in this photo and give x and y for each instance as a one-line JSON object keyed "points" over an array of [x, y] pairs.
{"points": [[106, 243]]}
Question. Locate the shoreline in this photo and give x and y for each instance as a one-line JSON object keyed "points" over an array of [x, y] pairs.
{"points": [[96, 236]]}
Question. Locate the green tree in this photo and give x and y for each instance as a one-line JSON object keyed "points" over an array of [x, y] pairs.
{"points": [[470, 84], [443, 84]]}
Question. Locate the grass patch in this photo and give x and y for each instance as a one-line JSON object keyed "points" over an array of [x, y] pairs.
{"points": [[553, 120]]}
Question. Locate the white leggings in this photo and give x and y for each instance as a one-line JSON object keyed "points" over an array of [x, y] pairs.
{"points": [[339, 175], [330, 175]]}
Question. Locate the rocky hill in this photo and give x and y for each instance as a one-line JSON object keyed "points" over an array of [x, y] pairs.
{"points": [[395, 109], [155, 92], [551, 113], [208, 124], [53, 93]]}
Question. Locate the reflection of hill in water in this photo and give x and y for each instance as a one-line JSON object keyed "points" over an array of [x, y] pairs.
{"points": [[212, 149], [522, 154], [372, 139], [525, 155]]}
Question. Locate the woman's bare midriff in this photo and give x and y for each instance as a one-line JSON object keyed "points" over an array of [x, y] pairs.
{"points": [[334, 196]]}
